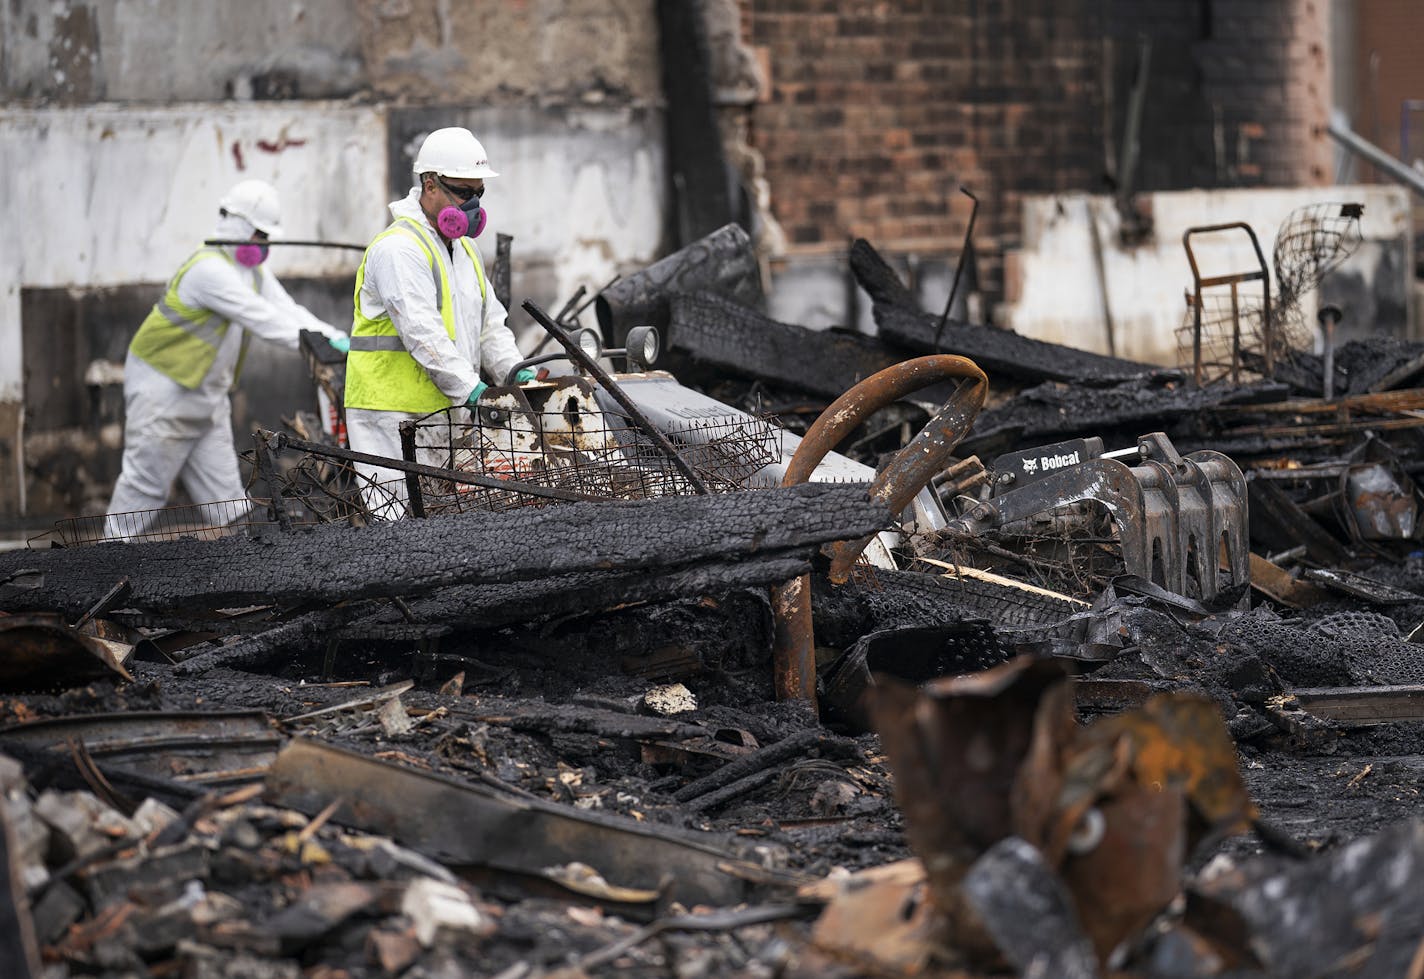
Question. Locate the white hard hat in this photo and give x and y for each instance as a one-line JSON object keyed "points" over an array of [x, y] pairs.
{"points": [[453, 152], [255, 201]]}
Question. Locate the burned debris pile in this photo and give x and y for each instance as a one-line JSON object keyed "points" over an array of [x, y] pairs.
{"points": [[812, 655]]}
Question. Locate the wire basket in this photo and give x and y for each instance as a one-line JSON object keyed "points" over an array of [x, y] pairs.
{"points": [[1233, 343], [1314, 240], [576, 445]]}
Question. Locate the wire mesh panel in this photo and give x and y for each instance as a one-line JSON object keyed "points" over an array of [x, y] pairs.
{"points": [[202, 520], [322, 489]]}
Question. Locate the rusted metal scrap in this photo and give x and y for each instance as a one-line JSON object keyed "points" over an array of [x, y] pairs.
{"points": [[42, 652], [332, 563], [909, 472], [1114, 808]]}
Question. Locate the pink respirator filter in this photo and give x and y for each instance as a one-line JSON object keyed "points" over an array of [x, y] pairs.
{"points": [[250, 256], [455, 223]]}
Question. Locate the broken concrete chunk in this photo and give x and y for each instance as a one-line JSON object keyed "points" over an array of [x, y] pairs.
{"points": [[318, 911], [669, 699], [206, 962], [440, 910], [81, 824], [152, 816], [394, 719], [31, 840]]}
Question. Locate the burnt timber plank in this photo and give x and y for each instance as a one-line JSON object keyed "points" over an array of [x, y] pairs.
{"points": [[716, 332], [1279, 524], [330, 563], [903, 323], [1363, 706], [493, 606]]}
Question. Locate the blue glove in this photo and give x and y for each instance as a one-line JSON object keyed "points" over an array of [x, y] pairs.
{"points": [[525, 375], [341, 343], [480, 388]]}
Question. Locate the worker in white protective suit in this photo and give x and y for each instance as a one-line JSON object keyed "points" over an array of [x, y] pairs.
{"points": [[427, 323], [186, 358]]}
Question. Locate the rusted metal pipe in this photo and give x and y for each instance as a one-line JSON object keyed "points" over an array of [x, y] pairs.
{"points": [[794, 654]]}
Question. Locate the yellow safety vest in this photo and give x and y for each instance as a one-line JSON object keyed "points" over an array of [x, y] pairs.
{"points": [[182, 341], [380, 373]]}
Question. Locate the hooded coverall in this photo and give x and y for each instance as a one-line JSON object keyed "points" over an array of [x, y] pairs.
{"points": [[398, 281], [176, 431]]}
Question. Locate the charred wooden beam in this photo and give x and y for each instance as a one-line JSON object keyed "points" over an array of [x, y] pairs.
{"points": [[1363, 706], [719, 333], [493, 606], [331, 563], [902, 322]]}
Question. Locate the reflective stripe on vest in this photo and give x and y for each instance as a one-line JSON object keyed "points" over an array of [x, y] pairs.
{"points": [[182, 341], [380, 373]]}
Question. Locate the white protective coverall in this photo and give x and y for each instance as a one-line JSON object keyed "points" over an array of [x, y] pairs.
{"points": [[398, 283], [173, 433]]}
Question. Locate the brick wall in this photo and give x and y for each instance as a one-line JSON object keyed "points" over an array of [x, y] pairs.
{"points": [[877, 112]]}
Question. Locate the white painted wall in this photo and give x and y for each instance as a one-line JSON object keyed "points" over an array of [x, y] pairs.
{"points": [[108, 195], [1060, 299], [122, 194]]}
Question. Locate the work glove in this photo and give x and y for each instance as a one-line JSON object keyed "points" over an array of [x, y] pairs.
{"points": [[479, 389], [525, 375], [341, 342]]}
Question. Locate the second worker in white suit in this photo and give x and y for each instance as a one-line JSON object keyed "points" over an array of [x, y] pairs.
{"points": [[427, 323]]}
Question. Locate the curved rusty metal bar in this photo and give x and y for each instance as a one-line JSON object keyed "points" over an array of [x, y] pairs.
{"points": [[794, 654]]}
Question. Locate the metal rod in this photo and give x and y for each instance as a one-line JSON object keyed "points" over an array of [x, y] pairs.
{"points": [[1235, 334], [412, 481], [1329, 316], [285, 241], [1341, 132], [284, 441], [959, 267], [576, 353]]}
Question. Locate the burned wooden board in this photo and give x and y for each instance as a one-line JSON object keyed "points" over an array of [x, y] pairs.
{"points": [[329, 564], [1363, 706], [728, 336], [464, 825], [902, 322]]}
